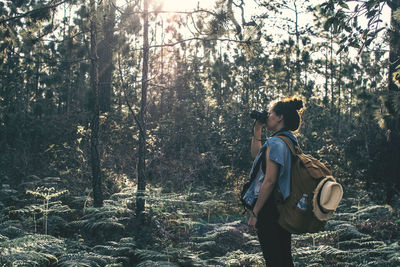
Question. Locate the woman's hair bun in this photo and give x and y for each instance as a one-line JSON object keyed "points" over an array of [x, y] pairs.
{"points": [[288, 108], [296, 103]]}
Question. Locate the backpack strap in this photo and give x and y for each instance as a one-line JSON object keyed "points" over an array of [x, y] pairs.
{"points": [[295, 150]]}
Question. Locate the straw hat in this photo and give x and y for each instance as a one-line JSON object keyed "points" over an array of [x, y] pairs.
{"points": [[327, 196]]}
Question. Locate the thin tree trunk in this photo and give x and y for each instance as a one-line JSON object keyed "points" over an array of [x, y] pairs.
{"points": [[140, 201], [393, 132], [332, 76], [105, 53], [69, 73], [297, 47], [94, 139], [339, 82], [394, 53], [326, 75]]}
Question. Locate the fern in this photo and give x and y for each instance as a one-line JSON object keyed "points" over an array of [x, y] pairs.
{"points": [[35, 242], [84, 259], [104, 223], [39, 250], [45, 204], [144, 255], [353, 244], [150, 263], [3, 238], [238, 258], [12, 231], [375, 211], [22, 258]]}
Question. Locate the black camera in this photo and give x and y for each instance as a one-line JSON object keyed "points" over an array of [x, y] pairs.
{"points": [[259, 116]]}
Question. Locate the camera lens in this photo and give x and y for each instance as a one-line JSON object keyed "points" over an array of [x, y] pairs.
{"points": [[259, 116]]}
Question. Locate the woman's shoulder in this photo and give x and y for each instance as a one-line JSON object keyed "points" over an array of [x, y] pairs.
{"points": [[275, 141]]}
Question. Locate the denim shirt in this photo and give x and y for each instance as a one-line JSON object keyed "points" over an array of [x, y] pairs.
{"points": [[254, 189], [280, 153]]}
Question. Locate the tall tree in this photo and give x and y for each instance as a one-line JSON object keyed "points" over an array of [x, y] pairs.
{"points": [[94, 138], [105, 52], [361, 36], [140, 201]]}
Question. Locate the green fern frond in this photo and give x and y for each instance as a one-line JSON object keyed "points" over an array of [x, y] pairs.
{"points": [[73, 263], [353, 244], [3, 238], [12, 231], [128, 241], [106, 211], [93, 225], [239, 258], [144, 255], [32, 258], [84, 259], [59, 208], [36, 242], [150, 263]]}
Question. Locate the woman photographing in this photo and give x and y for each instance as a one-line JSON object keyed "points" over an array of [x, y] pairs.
{"points": [[282, 119]]}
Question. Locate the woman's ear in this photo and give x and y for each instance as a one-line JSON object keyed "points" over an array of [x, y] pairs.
{"points": [[280, 118]]}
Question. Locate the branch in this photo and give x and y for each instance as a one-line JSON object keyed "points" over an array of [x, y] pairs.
{"points": [[201, 39], [124, 86], [198, 39], [168, 12], [32, 11], [233, 19], [244, 23]]}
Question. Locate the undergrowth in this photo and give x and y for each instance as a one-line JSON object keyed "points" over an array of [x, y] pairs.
{"points": [[198, 227]]}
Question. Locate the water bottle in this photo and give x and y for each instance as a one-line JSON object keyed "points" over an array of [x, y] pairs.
{"points": [[302, 204]]}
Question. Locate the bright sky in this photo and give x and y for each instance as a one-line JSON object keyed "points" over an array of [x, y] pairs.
{"points": [[251, 9], [189, 5]]}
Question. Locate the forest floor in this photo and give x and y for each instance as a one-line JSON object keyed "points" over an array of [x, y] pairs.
{"points": [[197, 228]]}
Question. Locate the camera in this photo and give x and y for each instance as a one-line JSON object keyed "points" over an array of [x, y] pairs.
{"points": [[260, 116]]}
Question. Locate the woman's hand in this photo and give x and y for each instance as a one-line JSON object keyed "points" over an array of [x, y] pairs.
{"points": [[258, 126], [256, 139], [252, 224]]}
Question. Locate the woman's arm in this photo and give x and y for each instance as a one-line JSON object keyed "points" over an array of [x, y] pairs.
{"points": [[256, 139], [271, 176]]}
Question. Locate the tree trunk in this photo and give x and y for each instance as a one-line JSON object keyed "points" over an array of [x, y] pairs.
{"points": [[140, 201], [393, 131], [94, 139], [326, 76], [332, 76], [339, 85], [394, 54], [297, 86], [105, 53]]}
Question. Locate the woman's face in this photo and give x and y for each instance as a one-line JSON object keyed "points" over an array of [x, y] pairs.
{"points": [[274, 122]]}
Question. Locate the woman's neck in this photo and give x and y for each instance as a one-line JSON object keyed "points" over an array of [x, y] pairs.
{"points": [[278, 129]]}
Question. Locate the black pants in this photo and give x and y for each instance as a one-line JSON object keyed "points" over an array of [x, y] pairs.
{"points": [[274, 240]]}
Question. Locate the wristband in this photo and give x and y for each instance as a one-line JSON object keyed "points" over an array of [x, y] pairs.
{"points": [[256, 138]]}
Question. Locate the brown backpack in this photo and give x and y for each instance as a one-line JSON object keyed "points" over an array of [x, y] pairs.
{"points": [[296, 212]]}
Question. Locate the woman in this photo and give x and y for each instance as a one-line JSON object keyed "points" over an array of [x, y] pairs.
{"points": [[283, 118]]}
